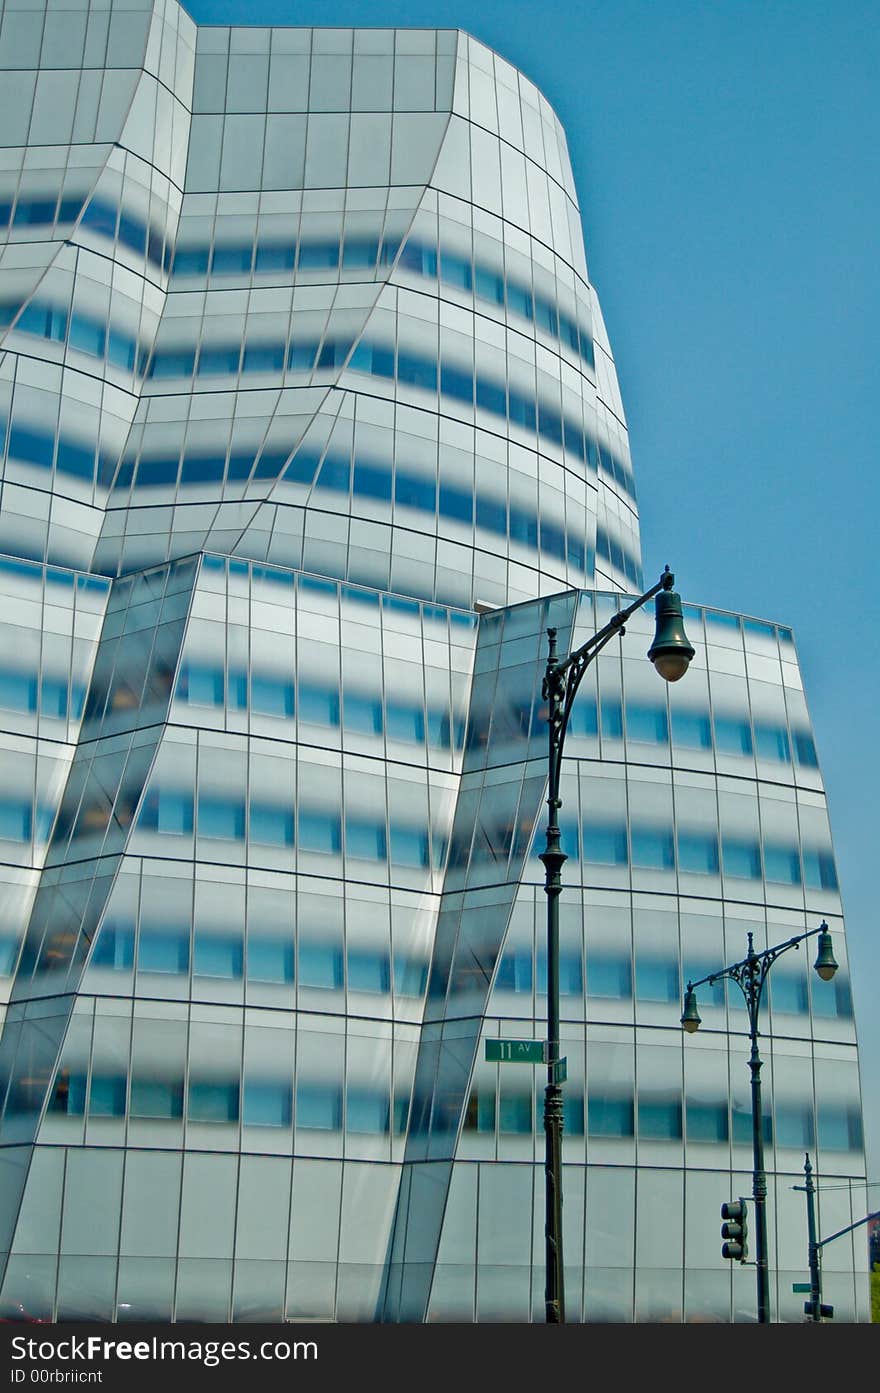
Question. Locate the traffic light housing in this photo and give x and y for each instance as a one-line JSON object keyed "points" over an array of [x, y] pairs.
{"points": [[734, 1231]]}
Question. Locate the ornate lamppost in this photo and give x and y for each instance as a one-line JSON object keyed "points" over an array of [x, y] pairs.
{"points": [[670, 653], [750, 975]]}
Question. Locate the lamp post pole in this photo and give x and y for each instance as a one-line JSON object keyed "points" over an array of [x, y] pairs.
{"points": [[750, 975], [670, 653], [813, 1250]]}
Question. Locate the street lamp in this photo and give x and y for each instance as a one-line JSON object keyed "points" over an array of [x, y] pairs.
{"points": [[750, 975], [670, 653]]}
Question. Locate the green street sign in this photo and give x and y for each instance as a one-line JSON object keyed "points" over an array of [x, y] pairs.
{"points": [[801, 1286], [516, 1052]]}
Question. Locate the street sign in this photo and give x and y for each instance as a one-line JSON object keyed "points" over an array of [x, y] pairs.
{"points": [[801, 1286], [516, 1052]]}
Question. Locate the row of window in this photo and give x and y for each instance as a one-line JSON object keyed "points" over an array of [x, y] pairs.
{"points": [[257, 958], [265, 694], [82, 332], [611, 977], [259, 1103], [173, 811], [264, 1102], [456, 381], [100, 217], [68, 455], [205, 684], [658, 1117], [104, 219], [363, 479], [694, 851], [23, 691], [35, 571], [418, 257], [691, 729], [368, 479], [22, 821], [310, 585]]}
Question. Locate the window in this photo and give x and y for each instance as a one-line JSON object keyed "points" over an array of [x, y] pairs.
{"points": [[659, 1118], [488, 285], [832, 999], [656, 980], [584, 718], [409, 846], [819, 871], [267, 1104], [229, 260], [8, 955], [213, 1101], [115, 946], [706, 1122], [742, 859], [168, 811], [404, 722], [610, 1117], [410, 976], [156, 1098], [793, 1126], [15, 821], [652, 847], [732, 736], [318, 705], [782, 865], [605, 844], [319, 831], [840, 1128], [515, 1113], [365, 840], [216, 955], [648, 725], [163, 949], [221, 817], [363, 713], [319, 1107], [454, 270], [271, 825], [515, 972], [612, 720], [804, 749], [609, 976], [368, 972], [367, 1111], [771, 742], [201, 685], [107, 1095], [788, 992], [691, 730], [269, 959], [320, 965], [456, 503], [372, 481], [697, 853], [480, 1113], [18, 691]]}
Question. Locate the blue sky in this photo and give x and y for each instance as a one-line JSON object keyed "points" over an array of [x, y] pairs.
{"points": [[727, 164]]}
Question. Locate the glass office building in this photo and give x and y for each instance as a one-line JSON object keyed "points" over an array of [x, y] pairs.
{"points": [[310, 427]]}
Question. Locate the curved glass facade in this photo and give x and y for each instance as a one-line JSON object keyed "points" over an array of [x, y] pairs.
{"points": [[310, 427]]}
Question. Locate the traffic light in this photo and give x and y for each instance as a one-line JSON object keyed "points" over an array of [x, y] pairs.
{"points": [[734, 1231], [825, 1312]]}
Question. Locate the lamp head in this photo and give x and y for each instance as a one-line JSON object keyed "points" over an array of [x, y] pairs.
{"points": [[670, 652], [690, 1016], [825, 963]]}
